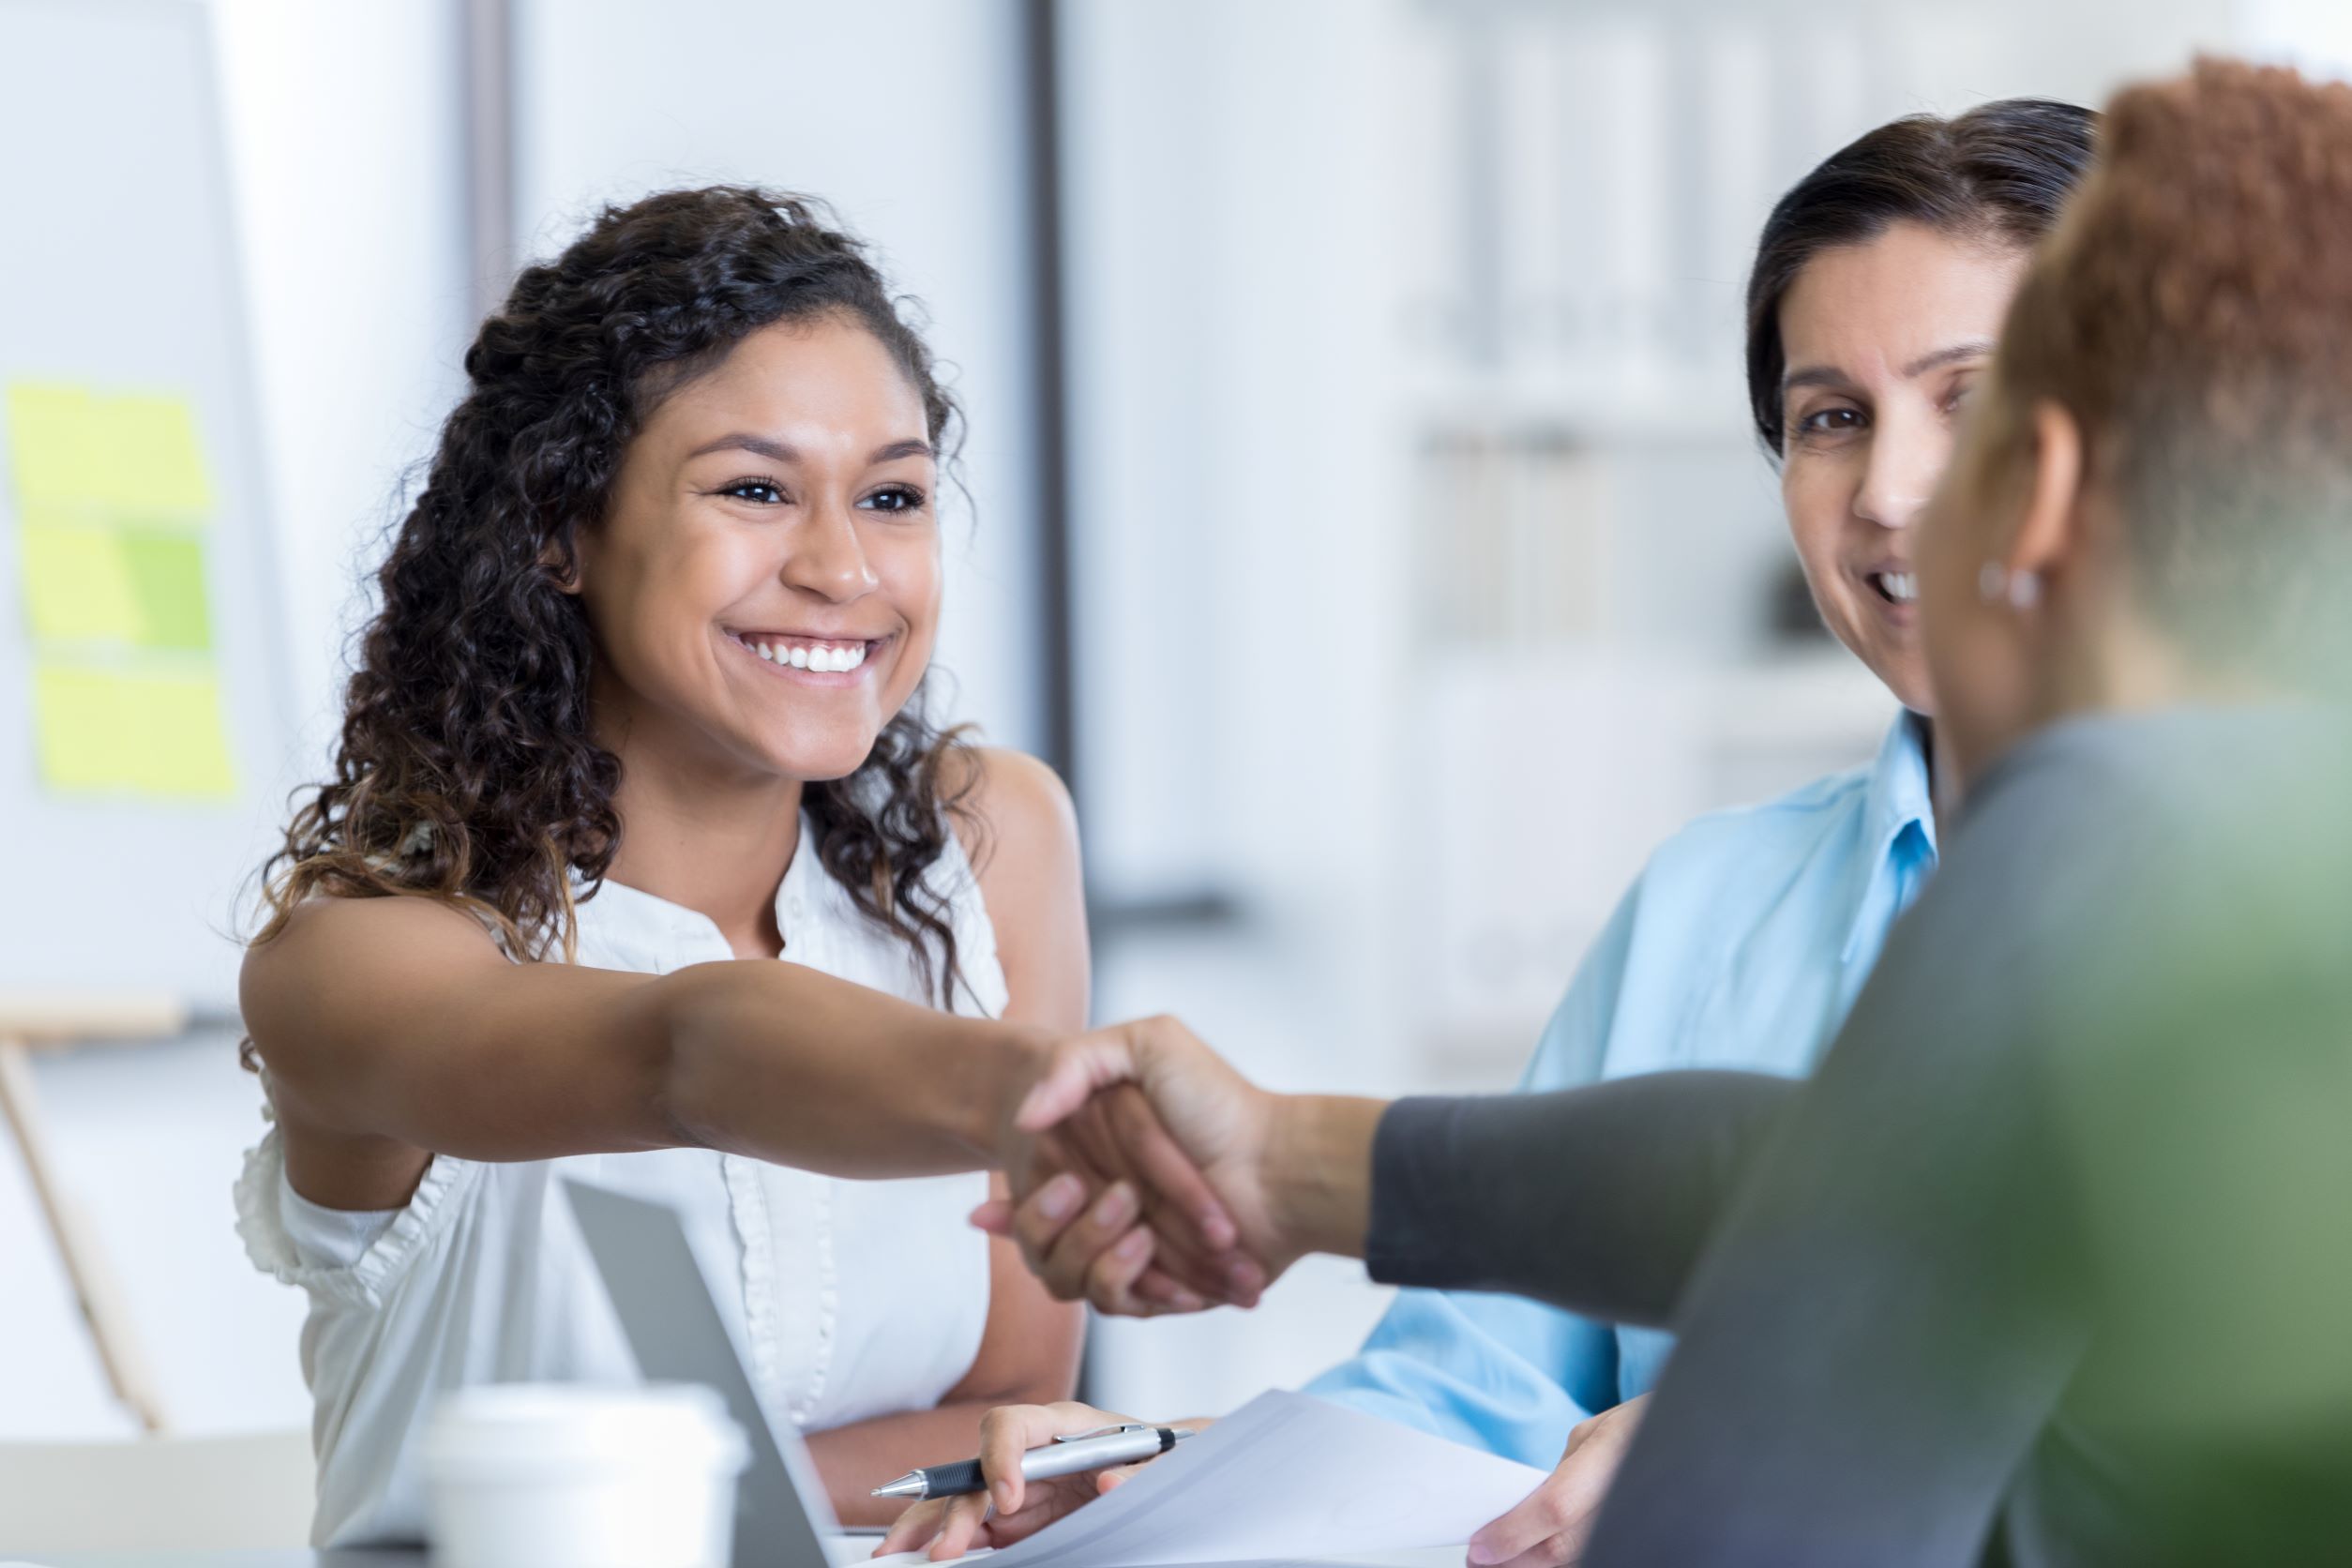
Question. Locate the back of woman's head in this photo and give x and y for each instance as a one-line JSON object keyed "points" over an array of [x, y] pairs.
{"points": [[467, 769], [2001, 172], [2193, 314]]}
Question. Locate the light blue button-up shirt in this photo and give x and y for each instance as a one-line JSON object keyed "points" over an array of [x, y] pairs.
{"points": [[1741, 945]]}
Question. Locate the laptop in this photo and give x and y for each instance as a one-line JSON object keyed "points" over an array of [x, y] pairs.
{"points": [[783, 1518]]}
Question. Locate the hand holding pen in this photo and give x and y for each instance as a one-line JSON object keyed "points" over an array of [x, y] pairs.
{"points": [[1038, 1463]]}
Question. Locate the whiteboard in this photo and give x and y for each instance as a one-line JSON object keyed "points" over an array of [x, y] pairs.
{"points": [[118, 273]]}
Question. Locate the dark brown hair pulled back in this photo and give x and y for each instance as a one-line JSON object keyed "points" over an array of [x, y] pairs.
{"points": [[2001, 171], [466, 771]]}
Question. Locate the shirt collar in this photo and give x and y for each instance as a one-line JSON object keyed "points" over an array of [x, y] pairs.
{"points": [[1896, 801]]}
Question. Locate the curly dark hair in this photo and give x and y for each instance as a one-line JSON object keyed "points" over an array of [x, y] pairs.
{"points": [[466, 770]]}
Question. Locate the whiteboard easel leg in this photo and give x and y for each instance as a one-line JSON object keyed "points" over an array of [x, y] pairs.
{"points": [[102, 1308]]}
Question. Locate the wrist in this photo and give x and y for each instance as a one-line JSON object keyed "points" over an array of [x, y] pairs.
{"points": [[999, 1065], [1318, 1171]]}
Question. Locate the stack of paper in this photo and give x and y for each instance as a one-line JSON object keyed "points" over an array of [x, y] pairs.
{"points": [[1286, 1479]]}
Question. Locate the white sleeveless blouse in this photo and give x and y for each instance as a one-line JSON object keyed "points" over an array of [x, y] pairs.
{"points": [[853, 1299]]}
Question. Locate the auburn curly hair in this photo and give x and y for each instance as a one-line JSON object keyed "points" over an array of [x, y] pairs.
{"points": [[2193, 311], [466, 770]]}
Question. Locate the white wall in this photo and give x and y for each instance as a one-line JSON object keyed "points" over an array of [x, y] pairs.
{"points": [[905, 114], [342, 146]]}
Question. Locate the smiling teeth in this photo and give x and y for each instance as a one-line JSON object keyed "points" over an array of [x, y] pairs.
{"points": [[1902, 587], [823, 658]]}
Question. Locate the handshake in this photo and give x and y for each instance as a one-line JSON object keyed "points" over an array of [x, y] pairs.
{"points": [[1148, 1176]]}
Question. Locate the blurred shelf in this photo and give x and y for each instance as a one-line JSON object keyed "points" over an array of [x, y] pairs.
{"points": [[1638, 408]]}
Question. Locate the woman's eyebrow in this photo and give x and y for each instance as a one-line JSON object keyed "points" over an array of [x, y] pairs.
{"points": [[776, 451], [759, 446], [1934, 359], [1974, 348], [1815, 375]]}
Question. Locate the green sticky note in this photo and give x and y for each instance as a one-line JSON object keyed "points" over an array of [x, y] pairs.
{"points": [[111, 732], [141, 587], [167, 579], [127, 456]]}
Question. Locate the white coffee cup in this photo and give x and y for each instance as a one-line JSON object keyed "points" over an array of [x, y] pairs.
{"points": [[560, 1475]]}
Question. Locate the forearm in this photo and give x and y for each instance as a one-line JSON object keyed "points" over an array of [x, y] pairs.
{"points": [[1597, 1199], [788, 1064], [856, 1458]]}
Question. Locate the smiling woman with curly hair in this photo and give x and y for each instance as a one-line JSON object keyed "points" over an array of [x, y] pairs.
{"points": [[640, 715]]}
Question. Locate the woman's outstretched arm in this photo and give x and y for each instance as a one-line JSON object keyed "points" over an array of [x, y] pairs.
{"points": [[393, 1028]]}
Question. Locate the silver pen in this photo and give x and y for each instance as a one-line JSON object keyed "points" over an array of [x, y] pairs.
{"points": [[1100, 1449]]}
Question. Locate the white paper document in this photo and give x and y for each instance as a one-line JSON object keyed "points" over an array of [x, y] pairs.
{"points": [[1287, 1478]]}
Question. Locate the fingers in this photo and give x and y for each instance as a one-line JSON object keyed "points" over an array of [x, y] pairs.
{"points": [[1110, 1278], [964, 1516], [1161, 1294], [1078, 1069], [1537, 1522], [1040, 1225], [1102, 1139], [1103, 1253], [914, 1527], [1075, 1259], [1554, 1521], [1099, 1256], [1010, 1431], [1112, 1480], [1168, 1173], [910, 1529]]}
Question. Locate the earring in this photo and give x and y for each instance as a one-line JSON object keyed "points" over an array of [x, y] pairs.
{"points": [[1996, 583]]}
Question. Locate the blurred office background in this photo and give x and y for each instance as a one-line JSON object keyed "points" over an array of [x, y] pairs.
{"points": [[1365, 512]]}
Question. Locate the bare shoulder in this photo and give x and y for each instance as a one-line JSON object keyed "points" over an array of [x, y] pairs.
{"points": [[338, 956], [1026, 858], [1020, 808]]}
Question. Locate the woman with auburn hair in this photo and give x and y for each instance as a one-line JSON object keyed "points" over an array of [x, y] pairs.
{"points": [[2048, 1263], [639, 714]]}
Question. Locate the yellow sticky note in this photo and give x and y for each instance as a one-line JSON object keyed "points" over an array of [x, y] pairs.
{"points": [[154, 465], [111, 732], [78, 585], [50, 452], [142, 587], [128, 456]]}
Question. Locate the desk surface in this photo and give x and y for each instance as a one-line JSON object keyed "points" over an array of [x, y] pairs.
{"points": [[1421, 1556]]}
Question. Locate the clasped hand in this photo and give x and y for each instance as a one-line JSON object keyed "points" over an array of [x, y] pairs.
{"points": [[1155, 1179], [1141, 1184]]}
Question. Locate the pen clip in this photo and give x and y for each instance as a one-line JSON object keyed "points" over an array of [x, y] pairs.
{"points": [[1111, 1431]]}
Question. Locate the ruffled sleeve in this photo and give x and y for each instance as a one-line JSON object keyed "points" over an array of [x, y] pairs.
{"points": [[442, 1192]]}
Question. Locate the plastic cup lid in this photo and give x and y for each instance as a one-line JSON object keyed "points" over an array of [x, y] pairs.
{"points": [[548, 1425]]}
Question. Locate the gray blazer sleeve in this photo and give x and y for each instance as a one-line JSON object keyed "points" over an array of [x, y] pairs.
{"points": [[1596, 1199]]}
